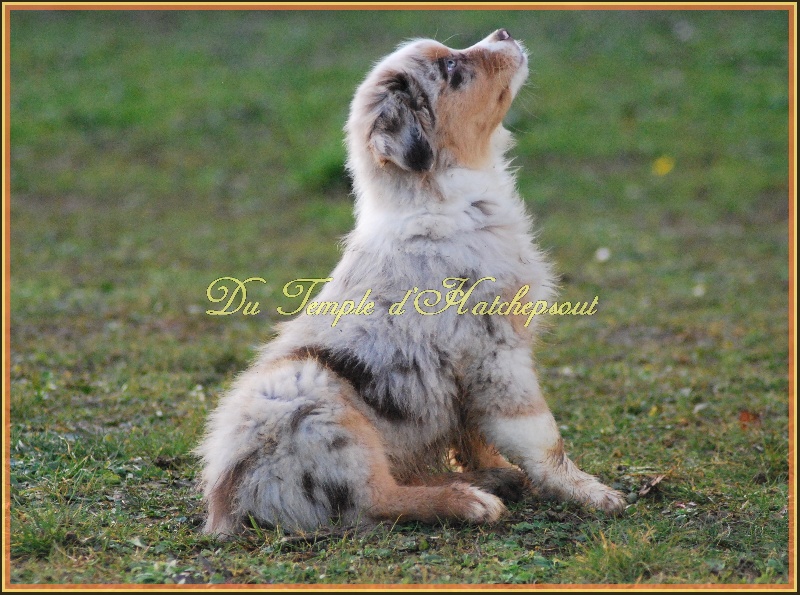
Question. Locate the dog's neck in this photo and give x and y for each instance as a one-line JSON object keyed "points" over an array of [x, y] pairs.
{"points": [[392, 190]]}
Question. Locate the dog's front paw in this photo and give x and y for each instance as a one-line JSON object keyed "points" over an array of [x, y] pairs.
{"points": [[572, 484], [611, 501], [604, 498]]}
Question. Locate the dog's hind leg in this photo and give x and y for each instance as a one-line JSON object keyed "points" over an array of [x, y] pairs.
{"points": [[447, 500], [453, 498], [507, 483], [288, 447]]}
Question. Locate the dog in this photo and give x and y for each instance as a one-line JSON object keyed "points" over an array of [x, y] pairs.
{"points": [[356, 422]]}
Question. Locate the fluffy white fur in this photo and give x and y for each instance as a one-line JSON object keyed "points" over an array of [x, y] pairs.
{"points": [[354, 422]]}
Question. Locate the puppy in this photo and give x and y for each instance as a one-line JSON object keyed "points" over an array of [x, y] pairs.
{"points": [[353, 422]]}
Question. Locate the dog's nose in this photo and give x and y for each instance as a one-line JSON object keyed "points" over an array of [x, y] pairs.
{"points": [[498, 36]]}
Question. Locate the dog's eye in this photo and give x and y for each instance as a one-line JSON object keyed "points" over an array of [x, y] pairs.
{"points": [[450, 65]]}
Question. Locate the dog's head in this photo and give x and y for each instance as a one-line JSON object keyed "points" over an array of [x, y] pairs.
{"points": [[427, 107]]}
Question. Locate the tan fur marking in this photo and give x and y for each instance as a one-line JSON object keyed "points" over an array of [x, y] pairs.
{"points": [[556, 455], [472, 452], [358, 425], [468, 116], [531, 407]]}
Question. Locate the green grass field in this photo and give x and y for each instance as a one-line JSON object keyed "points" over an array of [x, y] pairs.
{"points": [[153, 152]]}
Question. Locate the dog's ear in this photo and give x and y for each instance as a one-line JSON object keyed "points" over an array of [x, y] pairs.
{"points": [[403, 124]]}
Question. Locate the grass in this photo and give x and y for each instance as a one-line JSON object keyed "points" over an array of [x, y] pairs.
{"points": [[153, 152]]}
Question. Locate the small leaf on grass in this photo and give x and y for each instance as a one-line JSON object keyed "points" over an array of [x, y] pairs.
{"points": [[523, 527], [749, 419], [137, 541], [651, 483]]}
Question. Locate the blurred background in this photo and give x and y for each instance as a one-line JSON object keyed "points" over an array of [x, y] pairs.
{"points": [[153, 152]]}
